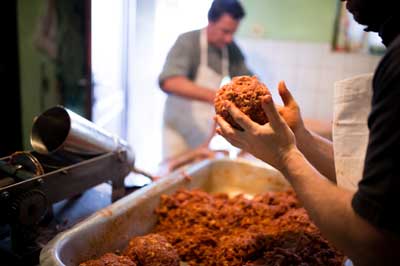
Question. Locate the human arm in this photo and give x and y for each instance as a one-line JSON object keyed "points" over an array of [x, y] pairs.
{"points": [[328, 205], [317, 150], [182, 86], [180, 69]]}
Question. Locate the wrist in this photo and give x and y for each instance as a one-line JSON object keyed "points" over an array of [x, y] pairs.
{"points": [[290, 159], [210, 96], [300, 130], [303, 136]]}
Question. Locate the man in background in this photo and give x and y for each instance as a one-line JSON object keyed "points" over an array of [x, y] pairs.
{"points": [[195, 66]]}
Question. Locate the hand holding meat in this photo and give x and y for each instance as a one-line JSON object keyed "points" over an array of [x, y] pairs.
{"points": [[271, 142], [245, 92], [290, 111]]}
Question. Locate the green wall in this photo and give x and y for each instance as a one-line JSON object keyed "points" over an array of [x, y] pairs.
{"points": [[34, 68], [298, 20]]}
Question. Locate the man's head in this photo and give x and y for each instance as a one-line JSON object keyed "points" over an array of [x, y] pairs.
{"points": [[372, 13], [223, 20]]}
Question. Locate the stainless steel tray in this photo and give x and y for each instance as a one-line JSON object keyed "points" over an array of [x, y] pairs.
{"points": [[111, 228]]}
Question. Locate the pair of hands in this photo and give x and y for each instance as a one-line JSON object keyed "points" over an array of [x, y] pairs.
{"points": [[272, 142]]}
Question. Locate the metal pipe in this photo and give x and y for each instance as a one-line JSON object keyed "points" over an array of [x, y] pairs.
{"points": [[60, 129]]}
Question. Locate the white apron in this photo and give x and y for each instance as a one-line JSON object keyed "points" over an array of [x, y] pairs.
{"points": [[352, 105], [188, 123]]}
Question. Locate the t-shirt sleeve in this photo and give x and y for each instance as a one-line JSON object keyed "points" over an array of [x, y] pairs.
{"points": [[237, 62], [179, 59], [378, 194]]}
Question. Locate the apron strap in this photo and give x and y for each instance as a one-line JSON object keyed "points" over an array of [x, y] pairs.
{"points": [[204, 54], [225, 62], [203, 48]]}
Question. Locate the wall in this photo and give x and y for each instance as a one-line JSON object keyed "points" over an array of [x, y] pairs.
{"points": [[37, 75], [299, 20], [290, 40], [309, 69]]}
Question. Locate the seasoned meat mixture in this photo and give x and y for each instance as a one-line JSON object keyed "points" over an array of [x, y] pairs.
{"points": [[271, 229], [245, 92], [110, 259], [152, 250]]}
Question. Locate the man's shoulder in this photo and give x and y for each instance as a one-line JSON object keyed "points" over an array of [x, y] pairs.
{"points": [[394, 50], [396, 43], [235, 51], [190, 36], [388, 69]]}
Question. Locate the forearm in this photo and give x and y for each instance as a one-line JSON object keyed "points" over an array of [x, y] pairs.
{"points": [[318, 151], [184, 87], [330, 208]]}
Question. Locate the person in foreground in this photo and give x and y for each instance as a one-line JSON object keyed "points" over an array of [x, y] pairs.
{"points": [[363, 222]]}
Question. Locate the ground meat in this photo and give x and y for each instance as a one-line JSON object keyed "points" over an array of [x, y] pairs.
{"points": [[271, 229], [215, 230], [152, 250], [245, 92], [110, 259]]}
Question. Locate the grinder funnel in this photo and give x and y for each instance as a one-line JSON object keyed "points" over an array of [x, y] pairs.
{"points": [[60, 129]]}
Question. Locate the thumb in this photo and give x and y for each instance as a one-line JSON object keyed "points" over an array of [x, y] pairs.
{"points": [[285, 94]]}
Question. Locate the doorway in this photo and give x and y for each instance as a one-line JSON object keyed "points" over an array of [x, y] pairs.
{"points": [[130, 41], [159, 22]]}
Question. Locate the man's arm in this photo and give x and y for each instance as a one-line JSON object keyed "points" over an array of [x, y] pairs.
{"points": [[182, 86], [330, 208], [328, 205], [180, 68], [317, 150]]}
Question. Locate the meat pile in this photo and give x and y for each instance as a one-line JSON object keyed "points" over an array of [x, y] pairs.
{"points": [[148, 250], [270, 229], [245, 92], [215, 230]]}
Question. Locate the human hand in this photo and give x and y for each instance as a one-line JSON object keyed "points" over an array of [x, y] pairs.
{"points": [[290, 111], [271, 142]]}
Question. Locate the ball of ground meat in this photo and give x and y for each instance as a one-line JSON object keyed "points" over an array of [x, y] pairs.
{"points": [[152, 250], [110, 259], [245, 92]]}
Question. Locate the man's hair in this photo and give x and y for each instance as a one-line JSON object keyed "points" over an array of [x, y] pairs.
{"points": [[231, 7]]}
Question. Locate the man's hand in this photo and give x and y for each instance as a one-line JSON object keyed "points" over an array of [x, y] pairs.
{"points": [[290, 111], [271, 142]]}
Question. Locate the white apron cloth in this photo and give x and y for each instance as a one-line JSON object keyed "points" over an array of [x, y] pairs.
{"points": [[188, 123], [352, 105]]}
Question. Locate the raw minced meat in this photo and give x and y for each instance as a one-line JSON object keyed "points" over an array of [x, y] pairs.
{"points": [[246, 93]]}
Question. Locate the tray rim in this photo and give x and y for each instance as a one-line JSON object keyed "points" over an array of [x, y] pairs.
{"points": [[49, 255]]}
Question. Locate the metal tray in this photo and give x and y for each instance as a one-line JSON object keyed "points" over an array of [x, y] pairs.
{"points": [[111, 228]]}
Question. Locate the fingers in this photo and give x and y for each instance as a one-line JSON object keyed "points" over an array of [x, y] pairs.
{"points": [[232, 141], [226, 130], [271, 111], [285, 94], [243, 120]]}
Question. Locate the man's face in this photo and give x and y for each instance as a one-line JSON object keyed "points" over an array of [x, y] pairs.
{"points": [[366, 12], [220, 32]]}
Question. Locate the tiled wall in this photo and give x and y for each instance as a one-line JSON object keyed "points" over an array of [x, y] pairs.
{"points": [[309, 69]]}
